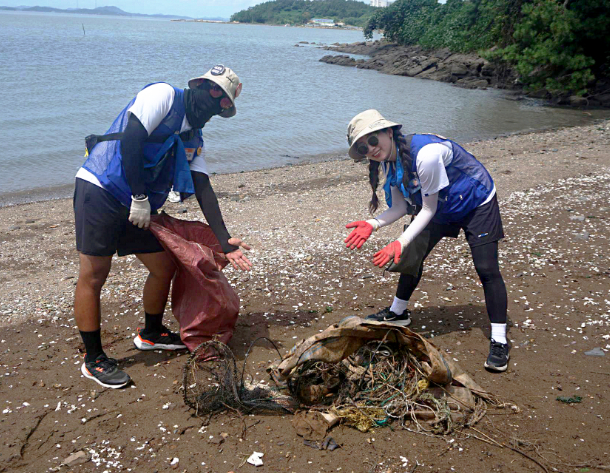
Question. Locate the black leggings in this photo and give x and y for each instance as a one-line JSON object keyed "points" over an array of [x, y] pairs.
{"points": [[485, 259]]}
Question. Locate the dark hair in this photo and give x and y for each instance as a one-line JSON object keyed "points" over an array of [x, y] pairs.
{"points": [[403, 149]]}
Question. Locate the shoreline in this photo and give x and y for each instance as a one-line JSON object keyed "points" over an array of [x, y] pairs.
{"points": [[286, 25], [64, 191]]}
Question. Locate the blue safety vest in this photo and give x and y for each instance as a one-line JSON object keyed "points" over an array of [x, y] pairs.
{"points": [[165, 164], [470, 184]]}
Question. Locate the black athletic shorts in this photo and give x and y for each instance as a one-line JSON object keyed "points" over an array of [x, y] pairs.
{"points": [[102, 225], [482, 225]]}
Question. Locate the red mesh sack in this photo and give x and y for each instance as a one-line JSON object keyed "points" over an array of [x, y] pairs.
{"points": [[203, 301]]}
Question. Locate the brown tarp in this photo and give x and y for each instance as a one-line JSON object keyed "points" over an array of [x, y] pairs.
{"points": [[203, 301], [343, 339]]}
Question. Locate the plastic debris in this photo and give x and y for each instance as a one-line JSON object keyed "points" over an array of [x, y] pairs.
{"points": [[173, 196], [569, 400], [595, 352], [77, 458], [327, 444], [256, 459]]}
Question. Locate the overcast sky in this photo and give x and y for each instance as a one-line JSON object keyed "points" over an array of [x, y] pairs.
{"points": [[192, 8]]}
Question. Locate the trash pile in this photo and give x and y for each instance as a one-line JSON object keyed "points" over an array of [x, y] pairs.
{"points": [[360, 373]]}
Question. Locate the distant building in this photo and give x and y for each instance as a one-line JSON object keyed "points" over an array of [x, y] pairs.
{"points": [[323, 22], [381, 3]]}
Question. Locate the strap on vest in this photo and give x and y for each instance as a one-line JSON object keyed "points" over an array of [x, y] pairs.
{"points": [[92, 140]]}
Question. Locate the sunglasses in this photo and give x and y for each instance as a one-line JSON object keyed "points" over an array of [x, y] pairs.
{"points": [[363, 148]]}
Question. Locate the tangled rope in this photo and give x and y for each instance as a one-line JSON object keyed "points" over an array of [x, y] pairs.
{"points": [[212, 383]]}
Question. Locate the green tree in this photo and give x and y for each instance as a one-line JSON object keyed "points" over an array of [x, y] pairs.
{"points": [[560, 45], [404, 21], [300, 11], [553, 46]]}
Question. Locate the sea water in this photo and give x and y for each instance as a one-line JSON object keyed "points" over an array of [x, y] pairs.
{"points": [[65, 76]]}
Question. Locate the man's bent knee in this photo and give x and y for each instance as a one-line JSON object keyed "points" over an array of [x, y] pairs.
{"points": [[94, 270], [159, 264]]}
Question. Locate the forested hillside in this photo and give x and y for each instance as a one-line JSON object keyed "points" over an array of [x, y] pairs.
{"points": [[279, 12], [561, 46]]}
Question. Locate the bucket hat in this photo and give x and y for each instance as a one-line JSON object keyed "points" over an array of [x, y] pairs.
{"points": [[362, 124], [227, 80]]}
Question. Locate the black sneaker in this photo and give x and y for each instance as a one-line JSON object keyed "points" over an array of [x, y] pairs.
{"points": [[386, 315], [105, 371], [164, 340], [498, 357]]}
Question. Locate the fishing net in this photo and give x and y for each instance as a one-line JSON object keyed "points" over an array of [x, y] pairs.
{"points": [[382, 382], [212, 383], [366, 374]]}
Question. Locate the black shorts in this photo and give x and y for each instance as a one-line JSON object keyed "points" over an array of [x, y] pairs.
{"points": [[482, 225], [102, 225]]}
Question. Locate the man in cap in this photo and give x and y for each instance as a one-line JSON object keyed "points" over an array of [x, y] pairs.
{"points": [[153, 145]]}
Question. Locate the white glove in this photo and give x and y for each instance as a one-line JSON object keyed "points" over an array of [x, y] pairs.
{"points": [[139, 212], [374, 223]]}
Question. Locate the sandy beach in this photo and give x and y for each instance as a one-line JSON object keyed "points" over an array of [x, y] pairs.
{"points": [[553, 187]]}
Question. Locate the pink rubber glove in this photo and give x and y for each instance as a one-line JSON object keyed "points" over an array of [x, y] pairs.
{"points": [[361, 232], [393, 250]]}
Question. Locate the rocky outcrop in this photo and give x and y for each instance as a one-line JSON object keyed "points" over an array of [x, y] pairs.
{"points": [[464, 70], [598, 96], [341, 60]]}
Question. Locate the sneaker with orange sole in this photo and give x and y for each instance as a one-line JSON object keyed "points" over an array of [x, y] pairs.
{"points": [[105, 371], [164, 340]]}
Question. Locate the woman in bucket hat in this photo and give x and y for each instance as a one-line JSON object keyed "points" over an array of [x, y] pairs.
{"points": [[153, 145], [447, 189]]}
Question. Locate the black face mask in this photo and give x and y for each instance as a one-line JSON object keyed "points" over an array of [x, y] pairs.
{"points": [[200, 106]]}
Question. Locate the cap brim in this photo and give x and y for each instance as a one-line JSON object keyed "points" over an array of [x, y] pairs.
{"points": [[229, 112], [354, 154], [193, 82]]}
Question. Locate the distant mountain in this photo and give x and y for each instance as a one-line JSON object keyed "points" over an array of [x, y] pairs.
{"points": [[109, 10]]}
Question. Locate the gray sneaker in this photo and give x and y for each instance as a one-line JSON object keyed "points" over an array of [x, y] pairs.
{"points": [[105, 371], [498, 357], [386, 315]]}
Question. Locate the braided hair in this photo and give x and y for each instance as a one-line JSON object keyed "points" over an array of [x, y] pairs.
{"points": [[403, 151]]}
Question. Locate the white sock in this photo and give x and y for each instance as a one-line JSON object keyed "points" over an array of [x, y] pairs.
{"points": [[398, 306], [498, 333]]}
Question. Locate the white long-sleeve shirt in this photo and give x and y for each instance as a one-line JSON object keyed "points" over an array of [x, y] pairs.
{"points": [[431, 164]]}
